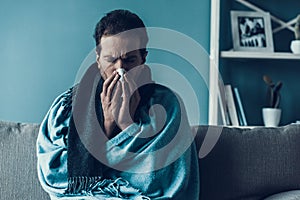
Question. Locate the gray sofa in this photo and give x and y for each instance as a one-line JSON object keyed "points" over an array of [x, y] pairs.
{"points": [[251, 164], [247, 164], [18, 179]]}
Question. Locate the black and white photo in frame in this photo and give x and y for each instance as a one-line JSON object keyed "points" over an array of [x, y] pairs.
{"points": [[251, 31]]}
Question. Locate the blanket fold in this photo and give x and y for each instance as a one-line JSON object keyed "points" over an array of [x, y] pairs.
{"points": [[83, 168], [155, 157], [86, 130]]}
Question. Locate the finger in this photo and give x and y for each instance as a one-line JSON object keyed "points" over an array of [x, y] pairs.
{"points": [[112, 86], [124, 99], [107, 83], [131, 88], [116, 101], [117, 92], [131, 91], [131, 98], [126, 89]]}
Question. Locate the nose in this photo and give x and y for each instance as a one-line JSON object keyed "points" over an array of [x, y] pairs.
{"points": [[119, 64]]}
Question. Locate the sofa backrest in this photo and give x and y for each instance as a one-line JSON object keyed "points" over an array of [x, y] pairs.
{"points": [[18, 179], [249, 164]]}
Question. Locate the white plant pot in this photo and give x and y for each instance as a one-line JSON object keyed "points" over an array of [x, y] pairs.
{"points": [[271, 116], [295, 46]]}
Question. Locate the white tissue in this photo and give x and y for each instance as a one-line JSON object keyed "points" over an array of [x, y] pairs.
{"points": [[121, 72]]}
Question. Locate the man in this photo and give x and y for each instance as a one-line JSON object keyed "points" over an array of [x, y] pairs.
{"points": [[117, 134]]}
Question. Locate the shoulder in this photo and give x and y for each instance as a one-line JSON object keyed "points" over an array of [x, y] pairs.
{"points": [[54, 126], [61, 107]]}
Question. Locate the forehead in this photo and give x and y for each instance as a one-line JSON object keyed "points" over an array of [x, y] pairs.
{"points": [[118, 45]]}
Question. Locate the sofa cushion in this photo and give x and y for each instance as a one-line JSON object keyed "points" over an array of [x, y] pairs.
{"points": [[289, 195], [18, 179], [249, 163]]}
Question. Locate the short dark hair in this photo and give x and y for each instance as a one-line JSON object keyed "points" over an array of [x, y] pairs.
{"points": [[118, 21]]}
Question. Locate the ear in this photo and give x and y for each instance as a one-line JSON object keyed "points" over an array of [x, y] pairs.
{"points": [[98, 58], [99, 65]]}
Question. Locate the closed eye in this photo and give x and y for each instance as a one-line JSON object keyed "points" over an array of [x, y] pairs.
{"points": [[130, 59], [110, 59]]}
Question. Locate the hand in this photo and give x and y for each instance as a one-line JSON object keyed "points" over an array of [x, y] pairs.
{"points": [[106, 98], [119, 102], [125, 108]]}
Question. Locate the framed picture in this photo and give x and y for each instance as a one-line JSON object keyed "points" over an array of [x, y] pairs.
{"points": [[251, 31]]}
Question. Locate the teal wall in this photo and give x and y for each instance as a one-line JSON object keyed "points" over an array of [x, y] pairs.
{"points": [[43, 44]]}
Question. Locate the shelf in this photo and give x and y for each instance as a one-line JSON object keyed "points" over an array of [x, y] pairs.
{"points": [[260, 55], [219, 23]]}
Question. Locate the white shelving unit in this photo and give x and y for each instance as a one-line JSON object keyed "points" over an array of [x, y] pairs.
{"points": [[216, 54], [259, 55]]}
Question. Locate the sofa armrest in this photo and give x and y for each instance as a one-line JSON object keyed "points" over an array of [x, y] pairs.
{"points": [[18, 178]]}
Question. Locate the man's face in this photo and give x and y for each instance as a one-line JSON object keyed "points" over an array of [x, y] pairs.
{"points": [[118, 51]]}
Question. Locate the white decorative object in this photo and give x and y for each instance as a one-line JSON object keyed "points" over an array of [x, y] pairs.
{"points": [[251, 31], [295, 46], [271, 116]]}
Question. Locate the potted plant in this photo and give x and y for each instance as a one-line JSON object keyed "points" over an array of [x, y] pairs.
{"points": [[272, 113], [295, 44]]}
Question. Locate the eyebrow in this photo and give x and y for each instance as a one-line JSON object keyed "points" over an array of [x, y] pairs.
{"points": [[108, 56], [125, 57]]}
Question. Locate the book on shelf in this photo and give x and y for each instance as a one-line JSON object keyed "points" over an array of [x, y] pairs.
{"points": [[222, 104], [231, 105], [239, 106]]}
